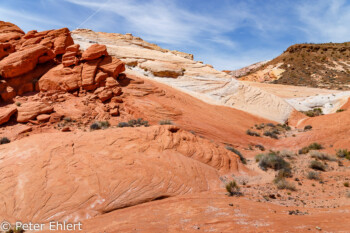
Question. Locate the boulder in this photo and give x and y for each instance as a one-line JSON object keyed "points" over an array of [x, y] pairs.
{"points": [[88, 74], [111, 82], [28, 111], [6, 49], [162, 69], [8, 94], [61, 78], [73, 48], [43, 117], [61, 40], [103, 94], [112, 66], [9, 31], [69, 59], [94, 51], [6, 113], [21, 62], [100, 77]]}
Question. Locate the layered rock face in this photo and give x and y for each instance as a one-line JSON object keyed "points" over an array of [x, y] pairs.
{"points": [[180, 71], [72, 177], [49, 61]]}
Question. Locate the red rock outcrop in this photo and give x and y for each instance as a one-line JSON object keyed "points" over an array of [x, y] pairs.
{"points": [[65, 175], [22, 62], [9, 32], [31, 110], [94, 51], [6, 113]]}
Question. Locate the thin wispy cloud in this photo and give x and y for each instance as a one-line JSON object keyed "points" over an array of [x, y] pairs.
{"points": [[228, 34]]}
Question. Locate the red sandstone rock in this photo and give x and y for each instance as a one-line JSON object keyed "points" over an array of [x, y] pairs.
{"points": [[89, 73], [6, 49], [6, 113], [8, 94], [112, 66], [9, 31], [115, 112], [103, 93], [43, 117], [94, 51], [100, 77], [73, 48], [28, 111], [21, 62], [61, 78]]}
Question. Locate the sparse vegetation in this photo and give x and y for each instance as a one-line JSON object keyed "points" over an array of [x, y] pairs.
{"points": [[134, 123], [243, 160], [272, 160], [317, 165], [67, 119], [271, 134], [312, 146], [165, 122], [260, 147], [282, 183], [312, 175], [340, 110], [321, 156], [4, 140], [343, 153], [307, 127], [18, 104], [346, 184], [232, 188], [99, 125], [314, 112], [15, 230], [252, 133]]}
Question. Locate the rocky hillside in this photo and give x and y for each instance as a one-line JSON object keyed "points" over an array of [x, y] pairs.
{"points": [[313, 65]]}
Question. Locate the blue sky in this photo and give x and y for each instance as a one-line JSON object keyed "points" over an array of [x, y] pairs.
{"points": [[228, 34]]}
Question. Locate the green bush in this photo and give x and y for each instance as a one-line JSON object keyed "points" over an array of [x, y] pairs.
{"points": [[340, 110], [99, 125], [314, 112], [271, 160], [343, 153], [271, 134], [321, 156], [232, 188], [241, 157], [252, 133], [317, 165], [4, 140], [307, 127], [312, 146], [282, 183], [165, 122], [133, 123], [313, 175]]}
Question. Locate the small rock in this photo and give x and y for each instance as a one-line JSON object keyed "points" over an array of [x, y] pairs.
{"points": [[65, 129]]}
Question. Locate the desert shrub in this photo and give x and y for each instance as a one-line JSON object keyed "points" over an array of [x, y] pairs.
{"points": [[67, 119], [260, 147], [282, 183], [99, 125], [321, 156], [307, 127], [311, 175], [252, 133], [241, 157], [346, 184], [232, 188], [287, 154], [4, 140], [340, 110], [314, 112], [15, 230], [285, 172], [271, 134], [18, 104], [317, 165], [259, 127], [123, 124], [133, 123], [137, 123], [284, 126], [343, 153], [312, 146], [271, 160], [165, 122], [270, 125]]}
